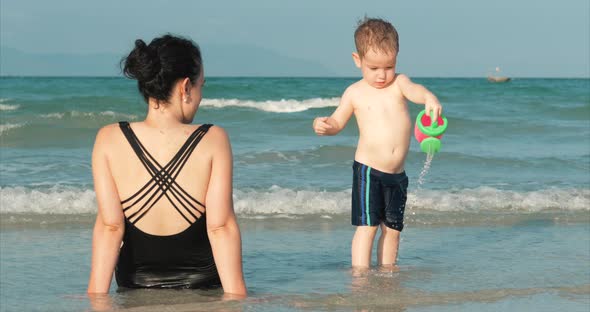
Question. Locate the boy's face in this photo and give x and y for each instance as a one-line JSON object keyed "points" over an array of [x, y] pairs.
{"points": [[378, 68]]}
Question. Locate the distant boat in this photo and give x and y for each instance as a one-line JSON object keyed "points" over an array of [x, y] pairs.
{"points": [[497, 77]]}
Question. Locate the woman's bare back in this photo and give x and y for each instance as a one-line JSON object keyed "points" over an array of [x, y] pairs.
{"points": [[166, 189]]}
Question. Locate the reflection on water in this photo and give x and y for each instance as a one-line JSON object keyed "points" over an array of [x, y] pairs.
{"points": [[164, 300]]}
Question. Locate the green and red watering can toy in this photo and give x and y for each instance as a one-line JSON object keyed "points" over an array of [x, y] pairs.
{"points": [[429, 133]]}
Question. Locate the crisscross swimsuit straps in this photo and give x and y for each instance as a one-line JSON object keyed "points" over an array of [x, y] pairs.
{"points": [[182, 260]]}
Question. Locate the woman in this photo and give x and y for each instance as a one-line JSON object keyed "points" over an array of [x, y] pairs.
{"points": [[164, 186]]}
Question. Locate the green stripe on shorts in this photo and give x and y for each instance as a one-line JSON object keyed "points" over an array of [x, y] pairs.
{"points": [[368, 178]]}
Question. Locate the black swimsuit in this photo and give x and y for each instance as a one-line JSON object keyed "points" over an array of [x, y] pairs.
{"points": [[182, 260]]}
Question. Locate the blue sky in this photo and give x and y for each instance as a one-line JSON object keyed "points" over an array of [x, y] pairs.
{"points": [[453, 38]]}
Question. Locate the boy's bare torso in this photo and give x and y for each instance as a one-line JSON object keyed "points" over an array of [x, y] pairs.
{"points": [[384, 126]]}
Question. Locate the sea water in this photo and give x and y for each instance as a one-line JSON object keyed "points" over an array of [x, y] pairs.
{"points": [[500, 221]]}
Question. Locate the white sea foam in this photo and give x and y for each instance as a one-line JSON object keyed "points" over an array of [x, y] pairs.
{"points": [[278, 202], [7, 107], [6, 127], [283, 201], [77, 114], [53, 115], [56, 200], [491, 199], [282, 106], [118, 115]]}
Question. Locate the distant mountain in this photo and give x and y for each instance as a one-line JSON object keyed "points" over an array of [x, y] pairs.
{"points": [[242, 60], [220, 60], [17, 63]]}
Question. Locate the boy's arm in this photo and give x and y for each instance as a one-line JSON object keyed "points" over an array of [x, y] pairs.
{"points": [[334, 124], [419, 94]]}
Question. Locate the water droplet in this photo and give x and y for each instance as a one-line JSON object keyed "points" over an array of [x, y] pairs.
{"points": [[421, 180], [425, 169]]}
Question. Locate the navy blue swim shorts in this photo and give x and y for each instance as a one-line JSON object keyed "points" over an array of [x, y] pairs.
{"points": [[378, 197]]}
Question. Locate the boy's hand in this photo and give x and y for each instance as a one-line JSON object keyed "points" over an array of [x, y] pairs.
{"points": [[432, 105], [321, 125]]}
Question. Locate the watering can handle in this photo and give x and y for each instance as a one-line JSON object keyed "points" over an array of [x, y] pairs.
{"points": [[433, 122]]}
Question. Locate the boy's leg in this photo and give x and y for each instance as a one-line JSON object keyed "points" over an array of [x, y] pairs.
{"points": [[367, 202], [362, 245], [388, 246], [395, 195]]}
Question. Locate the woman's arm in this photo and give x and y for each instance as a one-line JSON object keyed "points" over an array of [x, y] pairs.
{"points": [[109, 225], [222, 227]]}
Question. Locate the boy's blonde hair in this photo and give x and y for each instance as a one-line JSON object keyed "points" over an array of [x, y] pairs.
{"points": [[376, 34]]}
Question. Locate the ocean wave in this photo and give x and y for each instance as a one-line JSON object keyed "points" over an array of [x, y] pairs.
{"points": [[282, 106], [55, 200], [83, 115], [321, 154], [7, 107], [6, 127], [495, 200], [277, 202], [54, 124]]}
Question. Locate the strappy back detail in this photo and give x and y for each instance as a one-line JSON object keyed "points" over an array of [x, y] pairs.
{"points": [[163, 178]]}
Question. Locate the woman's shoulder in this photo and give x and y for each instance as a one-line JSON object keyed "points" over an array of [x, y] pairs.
{"points": [[108, 130], [108, 135], [214, 130], [216, 138]]}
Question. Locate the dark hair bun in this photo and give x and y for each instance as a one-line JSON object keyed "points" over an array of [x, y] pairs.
{"points": [[157, 66], [142, 63]]}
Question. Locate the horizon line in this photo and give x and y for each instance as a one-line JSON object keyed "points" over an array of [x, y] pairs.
{"points": [[299, 77]]}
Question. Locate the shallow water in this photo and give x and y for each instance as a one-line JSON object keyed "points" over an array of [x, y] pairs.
{"points": [[289, 265], [499, 220]]}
